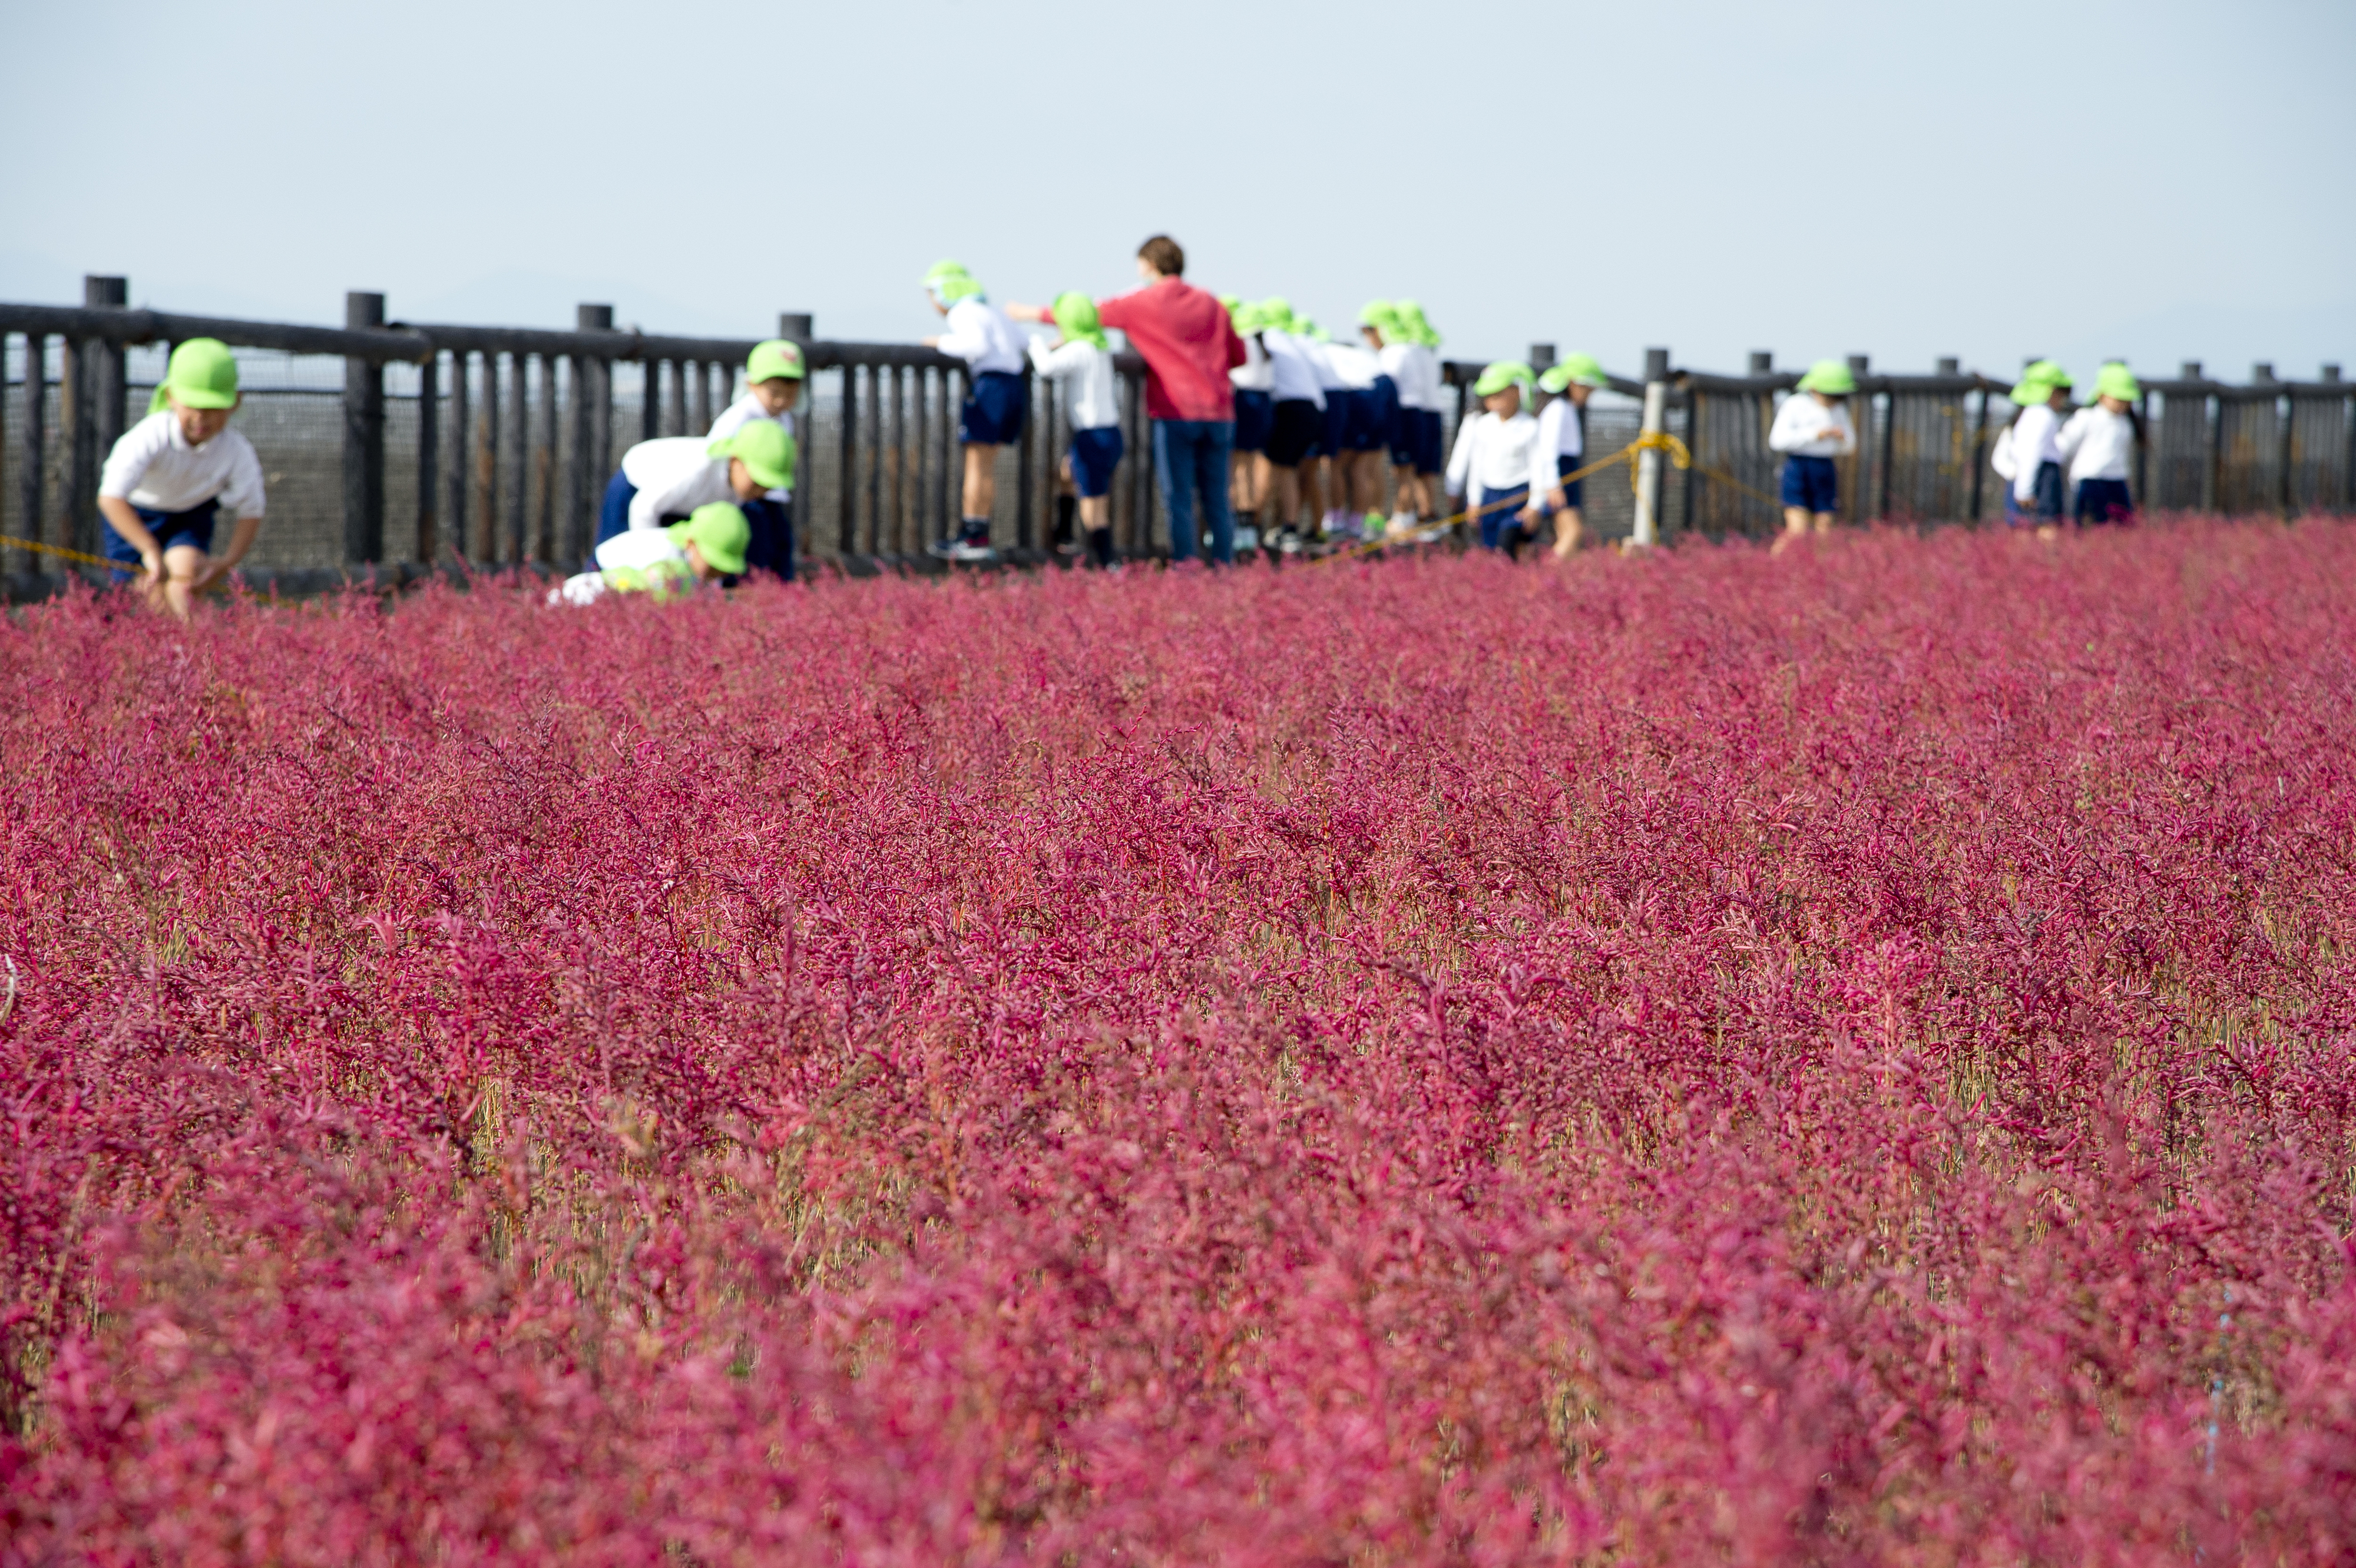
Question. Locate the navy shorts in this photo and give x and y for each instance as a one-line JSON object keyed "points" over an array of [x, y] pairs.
{"points": [[171, 528], [771, 546], [1497, 527], [1293, 432], [1572, 489], [2044, 498], [1333, 434], [1429, 443], [1407, 424], [1812, 484], [2105, 500], [994, 409], [1095, 454], [1255, 412], [1371, 415]]}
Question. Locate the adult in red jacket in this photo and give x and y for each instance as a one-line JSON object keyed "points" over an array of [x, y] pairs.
{"points": [[1189, 346]]}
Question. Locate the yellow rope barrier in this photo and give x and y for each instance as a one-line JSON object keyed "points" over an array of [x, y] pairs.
{"points": [[74, 555], [1652, 441]]}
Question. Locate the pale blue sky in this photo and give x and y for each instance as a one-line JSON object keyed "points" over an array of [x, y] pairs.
{"points": [[2159, 180]]}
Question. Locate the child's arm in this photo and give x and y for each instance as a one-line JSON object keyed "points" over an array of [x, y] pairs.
{"points": [[1460, 461], [241, 540], [1029, 313], [126, 464]]}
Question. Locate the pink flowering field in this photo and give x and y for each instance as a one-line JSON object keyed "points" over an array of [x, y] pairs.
{"points": [[1839, 1060]]}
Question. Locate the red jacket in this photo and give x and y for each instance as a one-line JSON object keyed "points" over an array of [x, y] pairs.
{"points": [[1188, 345]]}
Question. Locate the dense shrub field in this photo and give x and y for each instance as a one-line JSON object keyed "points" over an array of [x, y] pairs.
{"points": [[1838, 1059]]}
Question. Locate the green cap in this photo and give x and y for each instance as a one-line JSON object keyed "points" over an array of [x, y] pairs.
{"points": [[1584, 369], [717, 530], [1829, 377], [1419, 330], [1248, 318], [1076, 313], [772, 360], [1276, 314], [1304, 327], [2039, 383], [950, 281], [202, 374], [2114, 380], [1234, 302], [1376, 313], [765, 450], [1501, 374]]}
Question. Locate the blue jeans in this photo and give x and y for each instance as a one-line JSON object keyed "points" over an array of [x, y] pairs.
{"points": [[1190, 454]]}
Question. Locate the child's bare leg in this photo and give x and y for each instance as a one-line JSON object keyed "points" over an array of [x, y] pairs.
{"points": [[1569, 526], [181, 564], [1095, 511], [981, 495], [1824, 522]]}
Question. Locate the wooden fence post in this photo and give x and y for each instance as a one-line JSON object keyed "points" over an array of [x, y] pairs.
{"points": [[363, 439]]}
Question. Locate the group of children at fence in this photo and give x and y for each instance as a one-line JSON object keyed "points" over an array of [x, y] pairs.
{"points": [[1314, 420]]}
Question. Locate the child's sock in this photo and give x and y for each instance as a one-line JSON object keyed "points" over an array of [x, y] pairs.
{"points": [[974, 530], [1066, 507], [1100, 546]]}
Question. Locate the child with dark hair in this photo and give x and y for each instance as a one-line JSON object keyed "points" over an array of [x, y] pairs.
{"points": [[2099, 443], [2035, 497]]}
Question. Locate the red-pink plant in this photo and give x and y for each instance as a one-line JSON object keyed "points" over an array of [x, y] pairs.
{"points": [[1838, 1059]]}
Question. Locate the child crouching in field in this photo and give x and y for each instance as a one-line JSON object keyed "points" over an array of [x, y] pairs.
{"points": [[668, 479], [1082, 362], [2099, 445], [773, 384], [1812, 429], [1490, 468], [665, 562], [167, 479]]}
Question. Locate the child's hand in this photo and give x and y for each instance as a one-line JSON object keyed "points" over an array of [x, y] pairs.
{"points": [[934, 342], [1556, 500], [152, 562], [212, 571]]}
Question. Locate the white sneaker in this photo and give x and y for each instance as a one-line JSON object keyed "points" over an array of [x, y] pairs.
{"points": [[1247, 538], [961, 549]]}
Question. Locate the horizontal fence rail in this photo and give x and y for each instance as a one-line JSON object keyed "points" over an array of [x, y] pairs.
{"points": [[399, 448]]}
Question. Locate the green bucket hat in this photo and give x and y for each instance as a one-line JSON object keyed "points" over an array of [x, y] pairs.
{"points": [[1501, 374], [765, 450], [2039, 381], [201, 374], [719, 530], [1419, 330], [1829, 377], [1583, 369], [2114, 380], [950, 281], [1076, 313], [773, 361]]}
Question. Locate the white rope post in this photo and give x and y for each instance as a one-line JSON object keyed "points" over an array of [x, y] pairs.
{"points": [[1648, 461]]}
